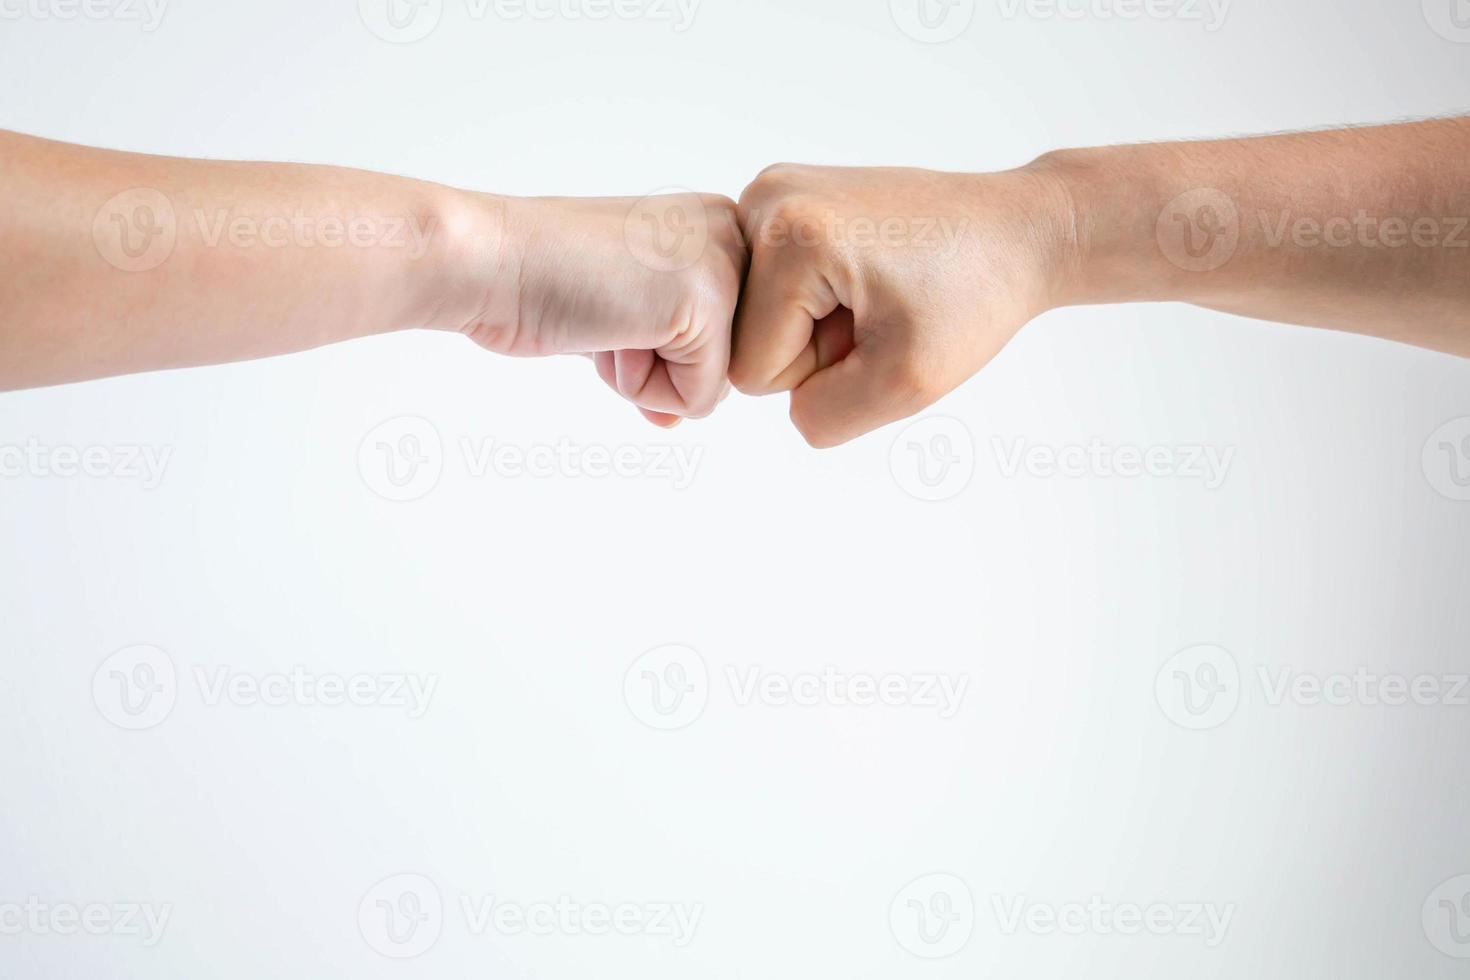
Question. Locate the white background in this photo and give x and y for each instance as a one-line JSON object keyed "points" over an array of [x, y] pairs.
{"points": [[1328, 549]]}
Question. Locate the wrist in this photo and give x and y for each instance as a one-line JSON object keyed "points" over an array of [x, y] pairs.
{"points": [[1053, 214], [1122, 246], [470, 283]]}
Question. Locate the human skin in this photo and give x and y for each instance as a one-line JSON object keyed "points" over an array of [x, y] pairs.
{"points": [[872, 293], [119, 262]]}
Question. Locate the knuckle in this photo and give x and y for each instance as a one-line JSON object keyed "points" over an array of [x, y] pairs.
{"points": [[748, 378], [792, 209], [790, 220], [771, 184], [721, 216], [718, 205], [778, 173]]}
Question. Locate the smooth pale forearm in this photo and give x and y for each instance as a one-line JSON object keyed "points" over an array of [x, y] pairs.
{"points": [[264, 259], [1365, 230]]}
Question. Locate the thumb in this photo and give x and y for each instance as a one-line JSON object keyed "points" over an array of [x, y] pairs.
{"points": [[880, 381]]}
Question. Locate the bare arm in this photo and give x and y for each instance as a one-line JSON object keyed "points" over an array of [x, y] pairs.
{"points": [[1365, 230], [119, 262], [906, 282]]}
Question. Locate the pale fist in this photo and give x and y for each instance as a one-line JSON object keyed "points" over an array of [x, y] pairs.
{"points": [[646, 287], [874, 292]]}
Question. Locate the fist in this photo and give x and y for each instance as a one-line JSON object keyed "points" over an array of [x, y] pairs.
{"points": [[645, 287], [872, 293]]}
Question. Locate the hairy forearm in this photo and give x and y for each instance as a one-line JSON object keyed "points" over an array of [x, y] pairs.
{"points": [[118, 262], [1365, 230]]}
